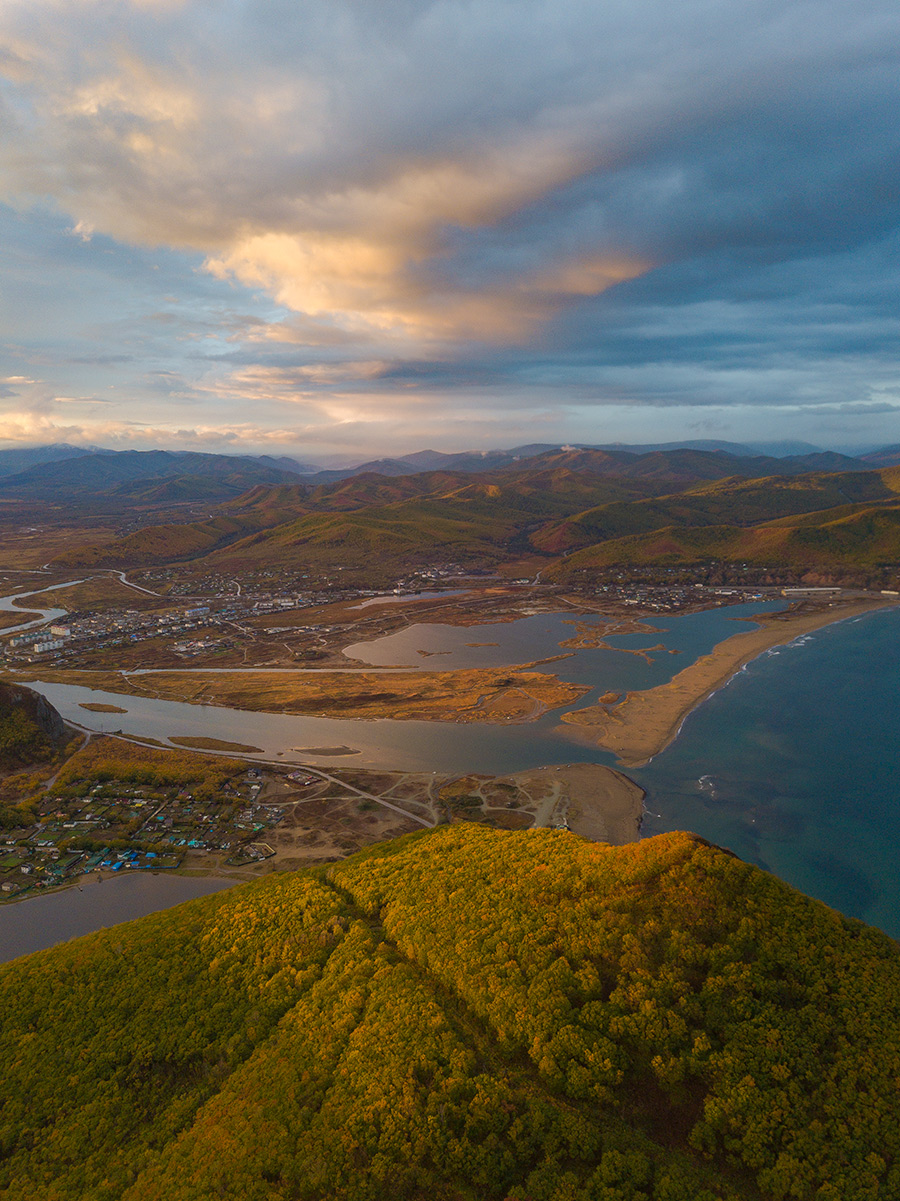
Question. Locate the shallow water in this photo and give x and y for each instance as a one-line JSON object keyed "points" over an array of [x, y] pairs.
{"points": [[428, 745]]}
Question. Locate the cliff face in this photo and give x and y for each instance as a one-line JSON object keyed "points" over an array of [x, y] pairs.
{"points": [[463, 1014], [30, 727]]}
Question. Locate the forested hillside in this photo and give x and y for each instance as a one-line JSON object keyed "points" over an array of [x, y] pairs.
{"points": [[464, 1014], [30, 728], [846, 541]]}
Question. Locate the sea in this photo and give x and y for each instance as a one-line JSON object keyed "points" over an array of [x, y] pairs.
{"points": [[795, 766]]}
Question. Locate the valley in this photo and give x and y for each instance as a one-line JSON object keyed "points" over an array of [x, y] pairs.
{"points": [[193, 617]]}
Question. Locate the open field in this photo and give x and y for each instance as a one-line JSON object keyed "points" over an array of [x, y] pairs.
{"points": [[644, 723], [25, 546], [594, 801], [16, 619], [495, 695], [96, 594]]}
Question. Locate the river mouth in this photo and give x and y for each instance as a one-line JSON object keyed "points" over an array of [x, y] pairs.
{"points": [[630, 661], [793, 764]]}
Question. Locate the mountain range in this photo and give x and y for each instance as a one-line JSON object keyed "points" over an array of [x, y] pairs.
{"points": [[39, 470], [572, 513]]}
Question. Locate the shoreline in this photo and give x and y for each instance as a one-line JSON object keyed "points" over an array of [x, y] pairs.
{"points": [[594, 801], [644, 723]]}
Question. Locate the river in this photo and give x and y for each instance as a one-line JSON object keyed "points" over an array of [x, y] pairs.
{"points": [[40, 922], [44, 615], [793, 765], [428, 745]]}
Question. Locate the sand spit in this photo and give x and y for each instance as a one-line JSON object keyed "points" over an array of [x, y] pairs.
{"points": [[644, 723], [596, 802]]}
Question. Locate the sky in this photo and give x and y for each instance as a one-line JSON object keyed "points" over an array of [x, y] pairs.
{"points": [[351, 228]]}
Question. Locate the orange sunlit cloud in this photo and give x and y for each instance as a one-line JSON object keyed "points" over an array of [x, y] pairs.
{"points": [[508, 206]]}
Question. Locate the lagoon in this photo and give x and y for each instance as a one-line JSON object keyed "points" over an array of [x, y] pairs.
{"points": [[428, 745]]}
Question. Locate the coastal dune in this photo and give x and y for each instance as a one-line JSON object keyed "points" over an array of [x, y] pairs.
{"points": [[644, 723]]}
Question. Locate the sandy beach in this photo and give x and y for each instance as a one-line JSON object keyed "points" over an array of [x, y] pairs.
{"points": [[596, 802], [644, 723]]}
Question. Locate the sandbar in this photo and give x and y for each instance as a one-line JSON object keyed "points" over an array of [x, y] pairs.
{"points": [[644, 723], [596, 802], [216, 744], [325, 750]]}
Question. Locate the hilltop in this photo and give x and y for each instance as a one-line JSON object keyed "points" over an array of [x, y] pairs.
{"points": [[464, 1014]]}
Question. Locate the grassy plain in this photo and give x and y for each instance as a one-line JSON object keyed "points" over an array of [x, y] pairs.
{"points": [[495, 695], [16, 619], [96, 594], [108, 758], [24, 546]]}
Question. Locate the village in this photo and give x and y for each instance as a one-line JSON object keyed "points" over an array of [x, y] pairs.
{"points": [[230, 619], [112, 828]]}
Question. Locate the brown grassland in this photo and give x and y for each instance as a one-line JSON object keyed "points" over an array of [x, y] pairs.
{"points": [[470, 695]]}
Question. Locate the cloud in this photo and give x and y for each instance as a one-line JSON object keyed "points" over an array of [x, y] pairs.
{"points": [[570, 203], [358, 163]]}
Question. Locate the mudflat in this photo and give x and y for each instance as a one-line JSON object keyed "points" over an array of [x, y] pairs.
{"points": [[644, 723]]}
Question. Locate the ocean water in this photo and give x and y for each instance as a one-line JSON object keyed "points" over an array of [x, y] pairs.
{"points": [[795, 766]]}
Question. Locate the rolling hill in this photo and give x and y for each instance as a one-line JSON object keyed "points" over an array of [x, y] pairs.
{"points": [[736, 501], [463, 1015], [687, 466], [595, 508], [843, 542], [413, 517]]}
